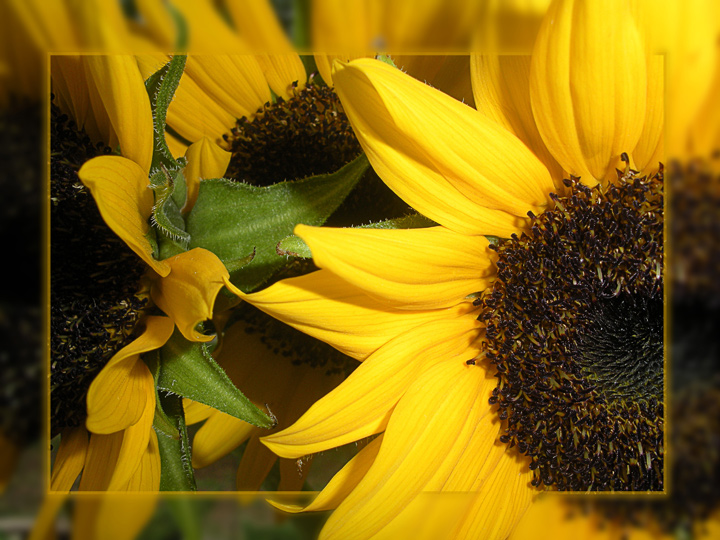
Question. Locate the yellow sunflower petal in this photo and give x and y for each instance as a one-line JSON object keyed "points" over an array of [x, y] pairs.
{"points": [[147, 475], [342, 483], [122, 89], [501, 501], [120, 517], [158, 21], [451, 163], [588, 85], [236, 82], [260, 28], [256, 463], [121, 192], [428, 430], [118, 396], [324, 63], [188, 294], [70, 459], [218, 436], [412, 268], [645, 153], [192, 113], [326, 307], [134, 447], [102, 454], [362, 405], [205, 160], [501, 87], [44, 525]]}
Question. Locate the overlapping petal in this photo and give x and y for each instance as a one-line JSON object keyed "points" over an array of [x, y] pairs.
{"points": [[121, 192], [70, 459], [429, 428], [414, 268], [451, 163], [326, 307], [364, 403]]}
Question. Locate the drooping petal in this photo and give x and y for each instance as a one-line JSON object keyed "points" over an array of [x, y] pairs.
{"points": [[342, 483], [147, 475], [255, 465], [501, 86], [120, 517], [326, 307], [588, 85], [205, 160], [188, 293], [134, 447], [442, 157], [102, 453], [412, 268], [196, 412], [44, 525], [121, 192], [363, 404], [428, 430], [119, 394], [122, 90], [217, 437], [70, 459]]}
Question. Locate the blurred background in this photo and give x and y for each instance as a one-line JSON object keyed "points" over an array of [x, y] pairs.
{"points": [[686, 33]]}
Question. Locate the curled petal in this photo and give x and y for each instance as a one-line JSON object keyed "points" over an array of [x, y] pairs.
{"points": [[118, 396], [70, 459], [188, 293], [442, 157], [121, 192]]}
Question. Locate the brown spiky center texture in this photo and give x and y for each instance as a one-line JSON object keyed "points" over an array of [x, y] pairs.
{"points": [[575, 330], [94, 300]]}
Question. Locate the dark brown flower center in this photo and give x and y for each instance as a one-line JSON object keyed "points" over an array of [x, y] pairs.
{"points": [[575, 331]]}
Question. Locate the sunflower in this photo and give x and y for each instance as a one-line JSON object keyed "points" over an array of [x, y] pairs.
{"points": [[93, 325], [447, 320]]}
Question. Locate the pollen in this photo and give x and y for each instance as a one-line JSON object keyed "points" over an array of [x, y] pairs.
{"points": [[575, 331]]}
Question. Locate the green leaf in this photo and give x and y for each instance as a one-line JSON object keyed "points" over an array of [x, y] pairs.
{"points": [[161, 87], [231, 218], [176, 472], [189, 370]]}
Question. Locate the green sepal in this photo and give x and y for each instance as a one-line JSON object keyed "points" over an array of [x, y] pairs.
{"points": [[231, 218], [413, 221], [181, 27], [494, 240], [386, 59], [189, 370], [294, 246], [161, 87], [187, 517], [170, 194], [176, 472]]}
